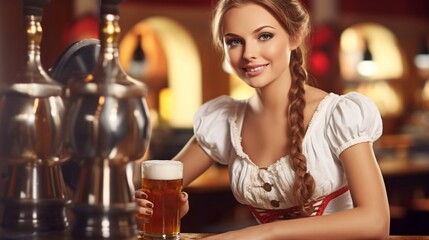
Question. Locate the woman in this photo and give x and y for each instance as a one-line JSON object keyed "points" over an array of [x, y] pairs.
{"points": [[300, 158]]}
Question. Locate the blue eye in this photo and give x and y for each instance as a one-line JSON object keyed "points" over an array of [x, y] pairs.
{"points": [[265, 36], [233, 42]]}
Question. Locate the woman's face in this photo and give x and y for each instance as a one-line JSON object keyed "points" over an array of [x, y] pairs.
{"points": [[256, 45]]}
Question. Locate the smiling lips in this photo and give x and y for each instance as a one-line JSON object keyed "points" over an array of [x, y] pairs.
{"points": [[253, 71]]}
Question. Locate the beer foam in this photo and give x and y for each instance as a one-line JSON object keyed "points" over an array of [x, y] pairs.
{"points": [[162, 169]]}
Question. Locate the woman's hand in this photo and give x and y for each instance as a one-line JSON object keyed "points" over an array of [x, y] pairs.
{"points": [[145, 207], [184, 204]]}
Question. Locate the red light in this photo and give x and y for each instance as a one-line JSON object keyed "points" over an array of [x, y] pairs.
{"points": [[319, 63]]}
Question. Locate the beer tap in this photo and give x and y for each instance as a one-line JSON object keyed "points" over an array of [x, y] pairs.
{"points": [[31, 141], [107, 129]]}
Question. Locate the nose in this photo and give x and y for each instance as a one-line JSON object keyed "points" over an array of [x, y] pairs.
{"points": [[250, 51]]}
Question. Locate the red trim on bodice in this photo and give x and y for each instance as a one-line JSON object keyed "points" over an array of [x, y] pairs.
{"points": [[271, 215]]}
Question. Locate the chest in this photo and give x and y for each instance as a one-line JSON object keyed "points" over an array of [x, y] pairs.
{"points": [[271, 187], [264, 142], [266, 139]]}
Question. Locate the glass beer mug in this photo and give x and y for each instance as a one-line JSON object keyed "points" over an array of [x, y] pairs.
{"points": [[162, 181]]}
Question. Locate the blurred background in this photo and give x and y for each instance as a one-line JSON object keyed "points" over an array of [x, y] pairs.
{"points": [[379, 48]]}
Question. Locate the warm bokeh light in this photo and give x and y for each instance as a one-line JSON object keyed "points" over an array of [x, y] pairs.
{"points": [[388, 63], [422, 61], [367, 68], [372, 77], [238, 89], [425, 94], [182, 66], [384, 95], [165, 98]]}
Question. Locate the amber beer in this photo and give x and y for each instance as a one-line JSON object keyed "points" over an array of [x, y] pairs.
{"points": [[162, 181]]}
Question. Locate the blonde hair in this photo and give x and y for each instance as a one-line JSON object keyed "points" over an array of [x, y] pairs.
{"points": [[296, 22]]}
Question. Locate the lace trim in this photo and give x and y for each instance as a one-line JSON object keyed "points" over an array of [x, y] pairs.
{"points": [[271, 215], [235, 132], [316, 113]]}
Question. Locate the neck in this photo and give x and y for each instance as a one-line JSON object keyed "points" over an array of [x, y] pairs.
{"points": [[271, 99]]}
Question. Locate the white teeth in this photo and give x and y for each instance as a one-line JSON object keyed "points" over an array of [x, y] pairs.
{"points": [[255, 69]]}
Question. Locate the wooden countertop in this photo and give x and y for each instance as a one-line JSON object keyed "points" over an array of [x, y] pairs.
{"points": [[402, 167], [183, 236], [191, 236]]}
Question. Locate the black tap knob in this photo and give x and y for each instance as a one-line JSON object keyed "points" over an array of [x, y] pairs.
{"points": [[109, 6], [34, 7]]}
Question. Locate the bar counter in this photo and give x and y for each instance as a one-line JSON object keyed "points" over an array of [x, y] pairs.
{"points": [[189, 236], [216, 179], [183, 236]]}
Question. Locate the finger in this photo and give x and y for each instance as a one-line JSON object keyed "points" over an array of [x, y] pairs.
{"points": [[144, 203], [184, 208], [140, 194], [148, 212], [144, 210], [184, 197]]}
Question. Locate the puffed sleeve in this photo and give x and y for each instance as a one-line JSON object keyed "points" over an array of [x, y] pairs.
{"points": [[354, 119], [211, 128]]}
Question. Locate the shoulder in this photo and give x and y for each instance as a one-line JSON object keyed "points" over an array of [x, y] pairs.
{"points": [[212, 126], [356, 101], [314, 95], [219, 107], [352, 108], [216, 113], [352, 118], [220, 102], [313, 98]]}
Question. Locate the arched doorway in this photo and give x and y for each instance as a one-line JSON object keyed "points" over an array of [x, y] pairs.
{"points": [[173, 68]]}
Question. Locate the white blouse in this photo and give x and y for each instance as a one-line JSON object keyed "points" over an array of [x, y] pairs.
{"points": [[339, 122]]}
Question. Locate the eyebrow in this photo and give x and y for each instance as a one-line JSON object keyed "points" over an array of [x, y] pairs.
{"points": [[255, 31]]}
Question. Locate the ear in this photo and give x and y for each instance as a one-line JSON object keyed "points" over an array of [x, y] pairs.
{"points": [[296, 40]]}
